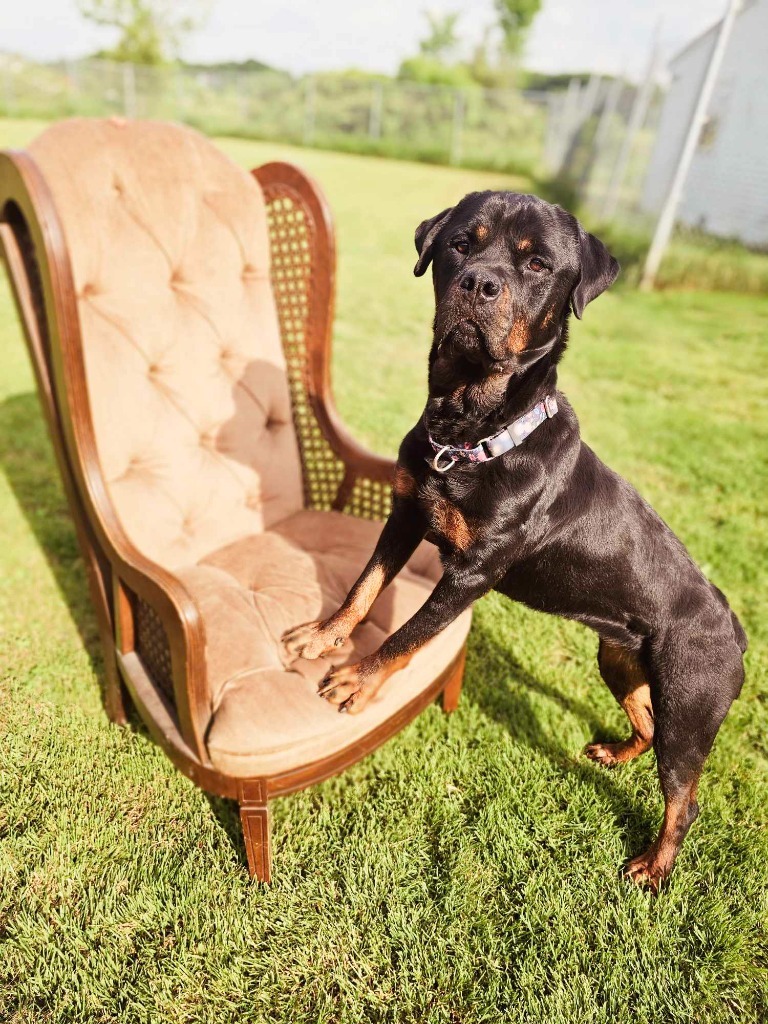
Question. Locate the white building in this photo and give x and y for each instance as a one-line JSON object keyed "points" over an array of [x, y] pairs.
{"points": [[726, 193]]}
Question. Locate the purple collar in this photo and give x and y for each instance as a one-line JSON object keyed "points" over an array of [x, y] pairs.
{"points": [[505, 440]]}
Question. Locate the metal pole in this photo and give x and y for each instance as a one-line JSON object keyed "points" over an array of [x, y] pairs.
{"points": [[72, 84], [309, 110], [589, 98], [666, 221], [8, 89], [377, 104], [565, 128], [179, 91], [553, 102], [609, 109], [129, 90], [636, 120], [457, 127]]}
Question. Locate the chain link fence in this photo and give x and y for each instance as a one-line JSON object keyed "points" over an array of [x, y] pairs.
{"points": [[497, 129], [592, 140]]}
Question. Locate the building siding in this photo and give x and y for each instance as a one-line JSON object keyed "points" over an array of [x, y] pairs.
{"points": [[726, 193]]}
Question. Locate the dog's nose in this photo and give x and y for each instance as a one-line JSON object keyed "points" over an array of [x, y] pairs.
{"points": [[482, 283]]}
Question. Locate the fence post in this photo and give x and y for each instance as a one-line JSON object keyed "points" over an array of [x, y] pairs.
{"points": [[178, 91], [377, 104], [636, 121], [606, 116], [569, 113], [8, 90], [589, 98], [309, 110], [666, 220], [457, 128], [551, 142], [73, 84], [129, 90]]}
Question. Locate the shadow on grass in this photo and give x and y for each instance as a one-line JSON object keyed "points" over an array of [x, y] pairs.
{"points": [[27, 459], [507, 694], [29, 464]]}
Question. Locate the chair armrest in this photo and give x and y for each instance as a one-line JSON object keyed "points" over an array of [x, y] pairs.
{"points": [[156, 618], [125, 582]]}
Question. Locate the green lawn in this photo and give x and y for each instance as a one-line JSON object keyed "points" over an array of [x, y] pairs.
{"points": [[468, 871]]}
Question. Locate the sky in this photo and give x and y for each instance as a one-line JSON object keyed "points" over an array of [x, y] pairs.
{"points": [[607, 36]]}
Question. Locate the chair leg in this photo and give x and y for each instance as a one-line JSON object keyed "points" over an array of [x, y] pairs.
{"points": [[254, 818], [115, 694], [452, 689]]}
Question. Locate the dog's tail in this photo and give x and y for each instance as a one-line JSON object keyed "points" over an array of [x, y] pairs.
{"points": [[738, 630]]}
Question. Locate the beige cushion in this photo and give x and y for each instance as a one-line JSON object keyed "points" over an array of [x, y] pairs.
{"points": [[185, 370], [267, 719]]}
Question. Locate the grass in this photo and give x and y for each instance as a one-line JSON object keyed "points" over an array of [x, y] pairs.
{"points": [[467, 871], [693, 261]]}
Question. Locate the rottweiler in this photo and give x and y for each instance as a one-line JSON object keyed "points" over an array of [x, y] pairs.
{"points": [[495, 473]]}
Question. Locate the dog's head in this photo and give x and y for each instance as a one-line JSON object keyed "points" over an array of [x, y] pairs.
{"points": [[507, 270]]}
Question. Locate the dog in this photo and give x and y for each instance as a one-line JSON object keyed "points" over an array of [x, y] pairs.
{"points": [[496, 475]]}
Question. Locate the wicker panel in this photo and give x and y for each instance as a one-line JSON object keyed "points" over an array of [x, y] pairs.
{"points": [[151, 644], [370, 499], [291, 236]]}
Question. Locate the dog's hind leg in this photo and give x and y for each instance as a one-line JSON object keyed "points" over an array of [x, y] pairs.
{"points": [[627, 680], [690, 702]]}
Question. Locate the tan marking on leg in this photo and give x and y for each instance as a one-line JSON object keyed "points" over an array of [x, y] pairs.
{"points": [[655, 865], [314, 639], [624, 675], [404, 486], [360, 599]]}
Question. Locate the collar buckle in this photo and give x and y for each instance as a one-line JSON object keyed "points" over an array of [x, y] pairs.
{"points": [[435, 462], [550, 406]]}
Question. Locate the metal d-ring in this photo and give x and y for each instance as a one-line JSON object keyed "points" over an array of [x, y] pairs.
{"points": [[435, 462]]}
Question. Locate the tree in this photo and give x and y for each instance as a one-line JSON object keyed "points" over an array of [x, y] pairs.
{"points": [[443, 38], [515, 18], [151, 31]]}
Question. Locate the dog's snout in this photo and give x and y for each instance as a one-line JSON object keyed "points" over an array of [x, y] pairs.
{"points": [[483, 284]]}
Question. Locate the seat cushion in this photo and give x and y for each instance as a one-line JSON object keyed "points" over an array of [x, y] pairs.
{"points": [[267, 718], [187, 386]]}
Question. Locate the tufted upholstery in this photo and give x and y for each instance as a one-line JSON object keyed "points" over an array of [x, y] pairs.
{"points": [[191, 411], [185, 370]]}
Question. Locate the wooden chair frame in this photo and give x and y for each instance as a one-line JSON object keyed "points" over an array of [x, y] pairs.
{"points": [[150, 627]]}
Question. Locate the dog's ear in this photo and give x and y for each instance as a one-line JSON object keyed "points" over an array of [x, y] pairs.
{"points": [[425, 236], [598, 271]]}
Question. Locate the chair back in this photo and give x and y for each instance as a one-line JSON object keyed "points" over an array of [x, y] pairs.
{"points": [[186, 380]]}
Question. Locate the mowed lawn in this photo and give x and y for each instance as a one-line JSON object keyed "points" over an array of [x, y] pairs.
{"points": [[467, 871]]}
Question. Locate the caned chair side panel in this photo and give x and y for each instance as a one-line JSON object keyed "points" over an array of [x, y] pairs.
{"points": [[337, 472]]}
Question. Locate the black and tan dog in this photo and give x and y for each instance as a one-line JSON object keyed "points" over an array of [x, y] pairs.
{"points": [[496, 474]]}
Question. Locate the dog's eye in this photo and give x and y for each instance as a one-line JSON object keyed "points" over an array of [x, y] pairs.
{"points": [[536, 264], [460, 245]]}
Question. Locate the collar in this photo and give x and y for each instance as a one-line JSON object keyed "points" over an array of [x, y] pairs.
{"points": [[492, 447]]}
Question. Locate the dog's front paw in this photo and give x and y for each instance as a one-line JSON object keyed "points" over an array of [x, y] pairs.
{"points": [[310, 640], [351, 686]]}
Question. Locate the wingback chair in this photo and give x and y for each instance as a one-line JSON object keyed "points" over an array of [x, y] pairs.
{"points": [[178, 312]]}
